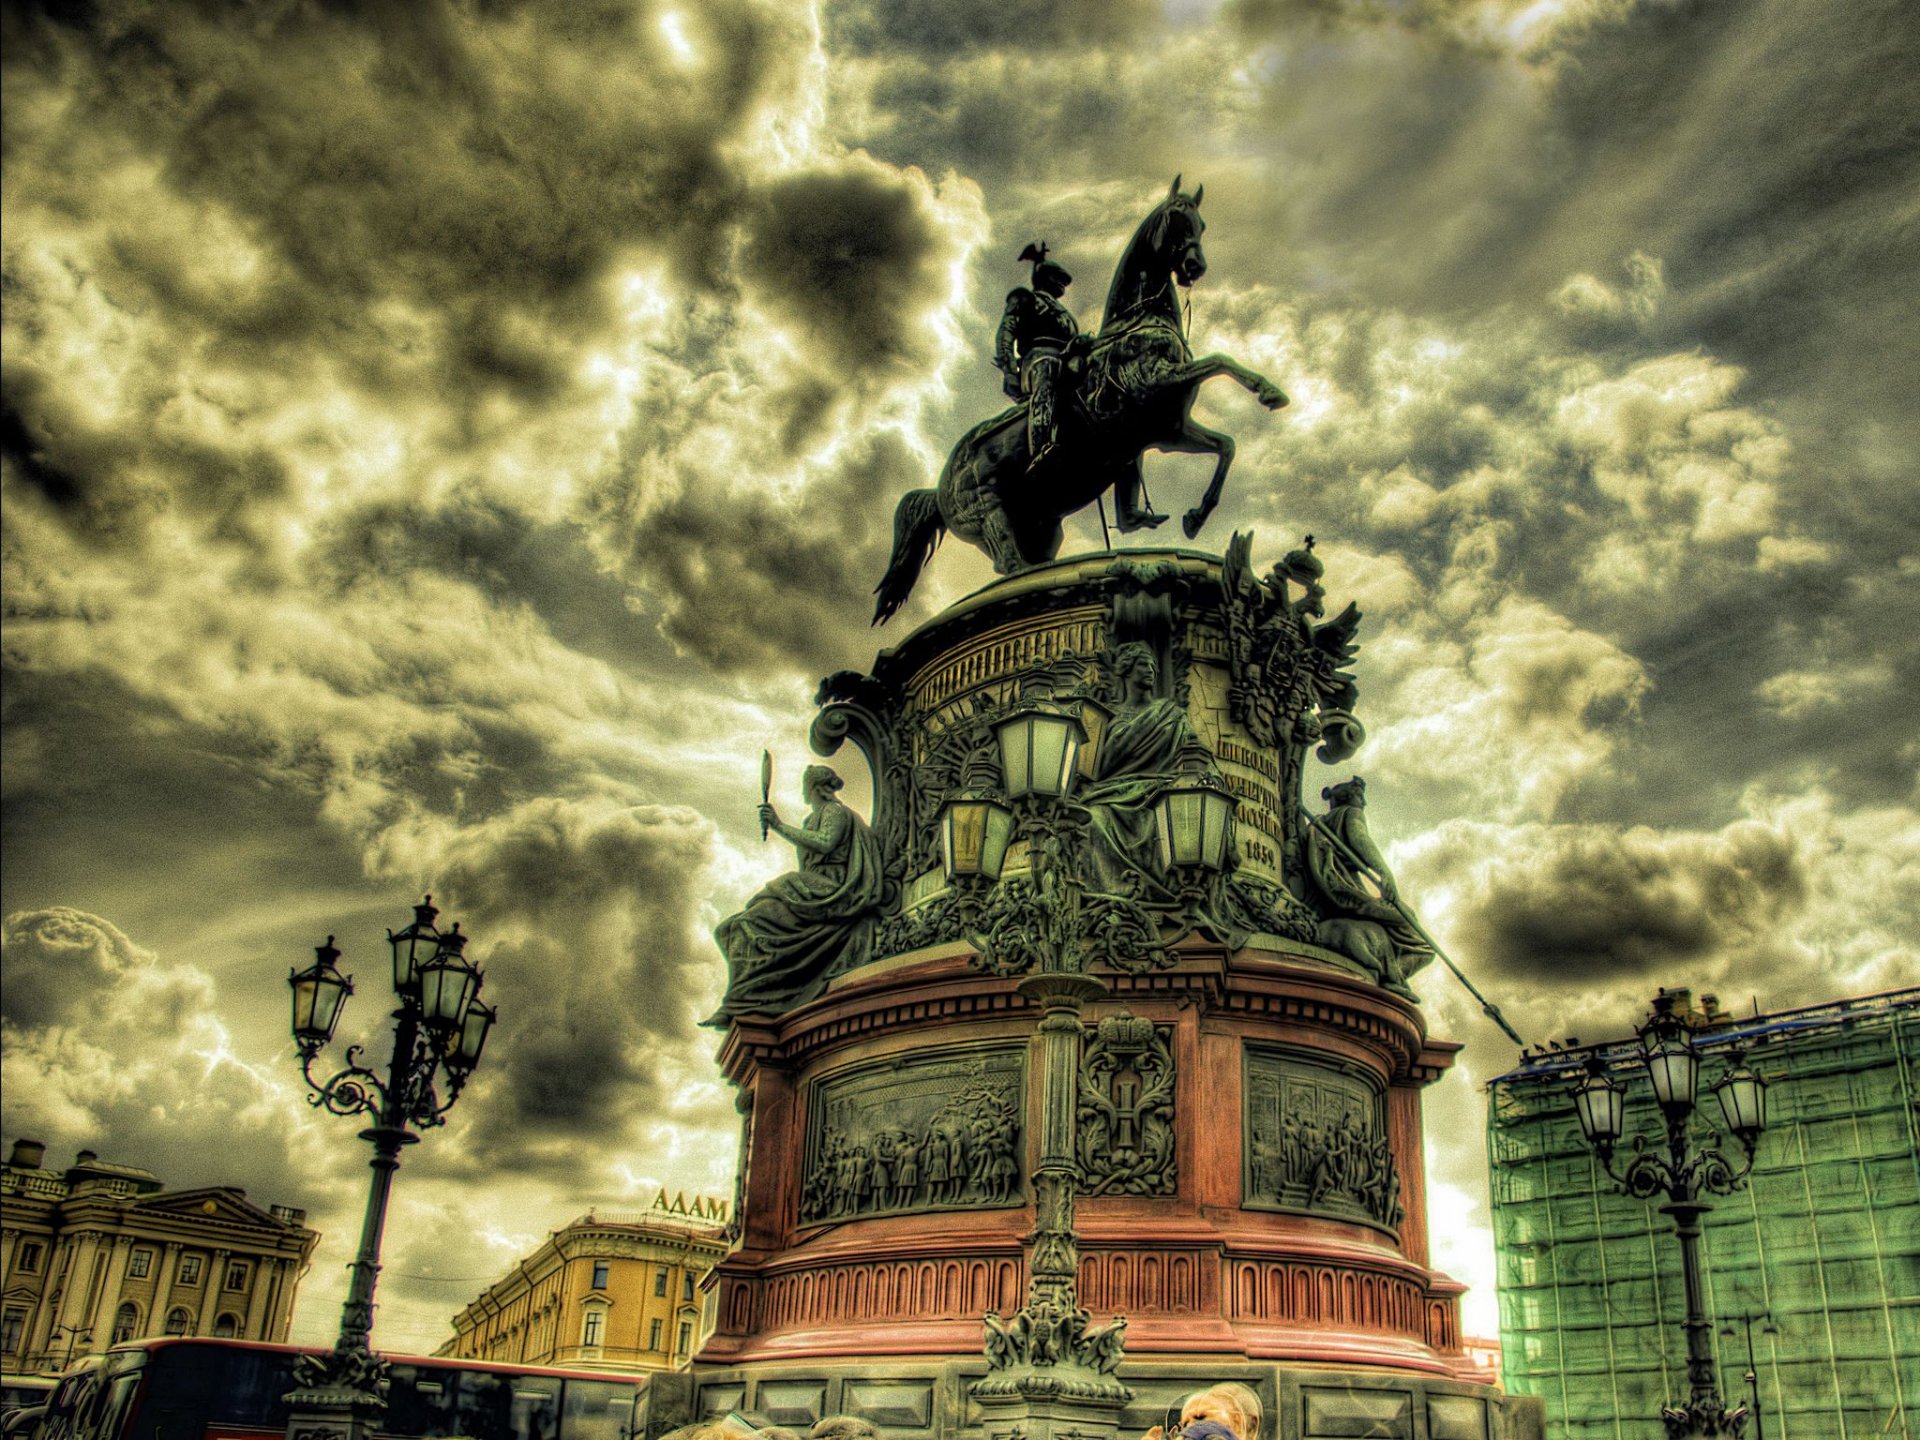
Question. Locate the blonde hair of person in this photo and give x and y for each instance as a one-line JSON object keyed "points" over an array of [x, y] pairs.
{"points": [[1234, 1397]]}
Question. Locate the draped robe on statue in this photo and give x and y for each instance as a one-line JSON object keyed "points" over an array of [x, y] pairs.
{"points": [[1146, 748], [806, 926]]}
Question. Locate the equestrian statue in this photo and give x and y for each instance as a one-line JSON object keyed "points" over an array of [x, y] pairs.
{"points": [[1086, 408]]}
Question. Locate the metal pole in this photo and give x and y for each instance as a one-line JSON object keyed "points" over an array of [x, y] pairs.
{"points": [[1753, 1383], [387, 1138], [1701, 1387]]}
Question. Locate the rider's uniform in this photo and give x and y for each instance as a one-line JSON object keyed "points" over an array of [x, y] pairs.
{"points": [[1030, 349]]}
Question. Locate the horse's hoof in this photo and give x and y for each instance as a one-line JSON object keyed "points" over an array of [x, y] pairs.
{"points": [[1192, 521], [1274, 398]]}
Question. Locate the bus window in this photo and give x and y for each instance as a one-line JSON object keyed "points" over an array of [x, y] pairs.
{"points": [[482, 1406], [598, 1410], [535, 1415]]}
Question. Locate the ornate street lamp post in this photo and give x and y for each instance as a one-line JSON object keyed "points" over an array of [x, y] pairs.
{"points": [[1684, 1174], [1052, 1371], [440, 1029]]}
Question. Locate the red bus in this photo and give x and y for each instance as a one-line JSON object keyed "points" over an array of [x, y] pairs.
{"points": [[182, 1389]]}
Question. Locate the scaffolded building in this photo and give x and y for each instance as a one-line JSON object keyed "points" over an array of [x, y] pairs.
{"points": [[1813, 1268]]}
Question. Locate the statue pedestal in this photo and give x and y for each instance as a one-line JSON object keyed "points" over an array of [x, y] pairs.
{"points": [[1244, 1087]]}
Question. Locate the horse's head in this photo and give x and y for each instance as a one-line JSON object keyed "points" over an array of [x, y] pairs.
{"points": [[1166, 244], [1177, 231]]}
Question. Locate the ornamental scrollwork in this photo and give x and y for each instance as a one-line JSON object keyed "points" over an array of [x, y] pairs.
{"points": [[1125, 1109]]}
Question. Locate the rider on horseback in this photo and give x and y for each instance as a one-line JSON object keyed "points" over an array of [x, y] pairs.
{"points": [[1031, 349]]}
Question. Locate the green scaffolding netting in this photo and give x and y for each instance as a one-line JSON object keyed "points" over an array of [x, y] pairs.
{"points": [[1817, 1259]]}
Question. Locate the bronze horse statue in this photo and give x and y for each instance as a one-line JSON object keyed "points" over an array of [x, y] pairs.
{"points": [[1131, 390]]}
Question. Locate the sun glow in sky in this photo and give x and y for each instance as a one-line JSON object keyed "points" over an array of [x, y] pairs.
{"points": [[449, 473]]}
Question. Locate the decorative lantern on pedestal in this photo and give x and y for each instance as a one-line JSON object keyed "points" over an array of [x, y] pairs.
{"points": [[1194, 819], [1039, 751], [975, 831]]}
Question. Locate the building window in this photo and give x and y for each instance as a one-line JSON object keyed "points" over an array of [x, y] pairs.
{"points": [[237, 1274], [178, 1320], [686, 1290], [596, 1322], [686, 1338], [660, 1281], [653, 1336], [189, 1269], [140, 1264], [30, 1253], [600, 1271], [126, 1323], [226, 1327], [13, 1324]]}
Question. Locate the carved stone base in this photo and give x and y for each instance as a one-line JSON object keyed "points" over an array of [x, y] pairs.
{"points": [[340, 1396], [334, 1414], [1024, 1408]]}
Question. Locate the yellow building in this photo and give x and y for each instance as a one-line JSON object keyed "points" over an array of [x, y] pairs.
{"points": [[102, 1253], [607, 1292]]}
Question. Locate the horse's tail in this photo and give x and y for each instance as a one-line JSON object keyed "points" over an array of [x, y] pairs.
{"points": [[917, 529]]}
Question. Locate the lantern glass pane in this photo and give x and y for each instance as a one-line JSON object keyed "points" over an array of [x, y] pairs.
{"points": [[998, 836], [1016, 755], [1599, 1106], [1743, 1101], [473, 1034], [1213, 845], [965, 834], [446, 985], [1675, 1073], [1051, 757]]}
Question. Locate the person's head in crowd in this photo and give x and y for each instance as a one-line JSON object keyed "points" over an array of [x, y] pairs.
{"points": [[844, 1427], [1230, 1405]]}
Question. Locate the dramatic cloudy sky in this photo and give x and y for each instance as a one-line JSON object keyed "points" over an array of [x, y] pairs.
{"points": [[444, 443]]}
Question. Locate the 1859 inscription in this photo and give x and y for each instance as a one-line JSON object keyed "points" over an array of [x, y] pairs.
{"points": [[923, 1133]]}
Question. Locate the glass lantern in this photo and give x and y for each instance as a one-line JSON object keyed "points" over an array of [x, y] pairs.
{"points": [[1039, 749], [413, 947], [975, 831], [1743, 1101], [1600, 1106], [448, 984], [319, 992], [1193, 820], [1672, 1065], [464, 1048]]}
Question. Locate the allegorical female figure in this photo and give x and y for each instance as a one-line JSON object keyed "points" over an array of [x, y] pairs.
{"points": [[811, 924], [1149, 744]]}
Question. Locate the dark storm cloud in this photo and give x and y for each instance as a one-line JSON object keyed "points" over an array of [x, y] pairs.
{"points": [[854, 256], [586, 918], [758, 580], [484, 165], [1596, 907], [943, 27]]}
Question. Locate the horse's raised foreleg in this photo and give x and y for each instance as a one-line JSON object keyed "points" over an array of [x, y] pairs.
{"points": [[1196, 372], [1193, 438]]}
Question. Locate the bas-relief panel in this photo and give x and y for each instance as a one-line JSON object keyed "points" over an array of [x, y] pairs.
{"points": [[926, 1132], [1314, 1139]]}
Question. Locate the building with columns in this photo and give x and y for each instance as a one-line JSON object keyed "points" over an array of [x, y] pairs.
{"points": [[101, 1253], [606, 1292]]}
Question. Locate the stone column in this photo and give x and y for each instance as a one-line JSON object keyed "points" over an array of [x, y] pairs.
{"points": [[69, 1316], [163, 1285], [106, 1304], [210, 1293], [254, 1323]]}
